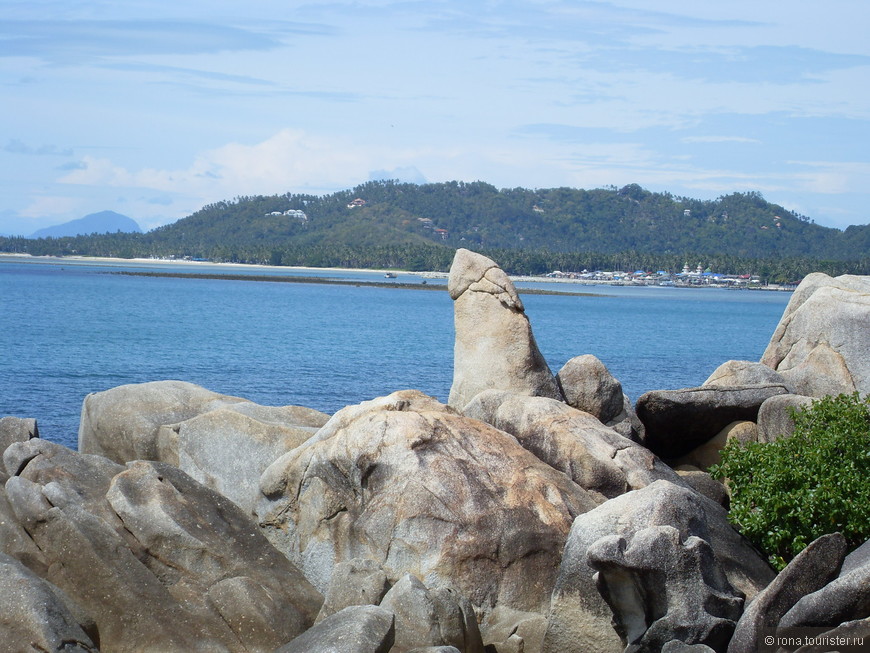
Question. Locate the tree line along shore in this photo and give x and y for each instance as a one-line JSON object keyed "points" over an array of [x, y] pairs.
{"points": [[392, 225]]}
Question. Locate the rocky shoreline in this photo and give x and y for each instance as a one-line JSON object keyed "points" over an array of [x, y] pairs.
{"points": [[533, 513]]}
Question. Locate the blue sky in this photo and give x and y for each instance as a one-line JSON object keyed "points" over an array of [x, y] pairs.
{"points": [[154, 109]]}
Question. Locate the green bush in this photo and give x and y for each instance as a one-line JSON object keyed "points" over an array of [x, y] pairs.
{"points": [[785, 494]]}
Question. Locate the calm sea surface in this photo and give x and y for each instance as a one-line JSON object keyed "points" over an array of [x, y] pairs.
{"points": [[70, 328]]}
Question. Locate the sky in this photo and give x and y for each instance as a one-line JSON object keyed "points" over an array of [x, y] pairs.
{"points": [[154, 109]]}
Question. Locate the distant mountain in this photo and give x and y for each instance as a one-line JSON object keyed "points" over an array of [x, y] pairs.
{"points": [[389, 224], [104, 222]]}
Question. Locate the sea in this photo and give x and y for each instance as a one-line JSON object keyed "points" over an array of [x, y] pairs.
{"points": [[69, 327]]}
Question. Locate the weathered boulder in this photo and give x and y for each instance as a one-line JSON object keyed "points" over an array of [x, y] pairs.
{"points": [[589, 386], [676, 646], [677, 421], [437, 617], [158, 561], [89, 561], [44, 462], [84, 478], [405, 481], [592, 455], [708, 454], [775, 416], [227, 450], [857, 558], [355, 629], [810, 570], [816, 280], [627, 423], [705, 484], [662, 587], [354, 582], [122, 423], [33, 617], [513, 644], [846, 598], [204, 546], [821, 343], [16, 429], [14, 540], [579, 619], [736, 373], [494, 345], [511, 631], [856, 632]]}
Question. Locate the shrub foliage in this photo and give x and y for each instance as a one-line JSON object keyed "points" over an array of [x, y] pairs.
{"points": [[785, 494]]}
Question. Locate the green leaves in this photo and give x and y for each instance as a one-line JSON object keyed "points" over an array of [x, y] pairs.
{"points": [[786, 493]]}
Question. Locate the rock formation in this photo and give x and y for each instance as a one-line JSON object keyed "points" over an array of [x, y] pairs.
{"points": [[527, 516], [494, 346], [156, 560], [16, 429], [821, 344], [405, 481], [228, 450], [706, 455], [662, 587], [356, 629], [359, 581], [595, 457], [677, 421], [123, 423], [579, 618], [588, 385], [739, 373], [425, 617], [34, 616], [223, 442], [775, 416], [811, 569]]}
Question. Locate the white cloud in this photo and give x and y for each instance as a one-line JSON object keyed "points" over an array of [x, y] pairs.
{"points": [[833, 178], [41, 206], [718, 139], [286, 161]]}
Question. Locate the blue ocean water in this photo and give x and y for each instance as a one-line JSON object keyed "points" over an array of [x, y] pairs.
{"points": [[68, 329]]}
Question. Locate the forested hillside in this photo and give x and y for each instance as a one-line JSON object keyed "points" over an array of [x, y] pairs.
{"points": [[391, 224]]}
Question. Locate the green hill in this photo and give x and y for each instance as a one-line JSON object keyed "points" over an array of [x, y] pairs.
{"points": [[391, 224]]}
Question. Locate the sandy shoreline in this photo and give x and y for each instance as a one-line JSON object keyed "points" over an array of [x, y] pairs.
{"points": [[24, 258], [132, 262], [426, 274], [200, 270]]}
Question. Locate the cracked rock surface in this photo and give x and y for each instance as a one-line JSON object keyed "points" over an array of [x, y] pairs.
{"points": [[821, 345], [407, 482], [494, 346]]}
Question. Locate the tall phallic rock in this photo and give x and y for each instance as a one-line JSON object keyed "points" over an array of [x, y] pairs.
{"points": [[494, 347]]}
